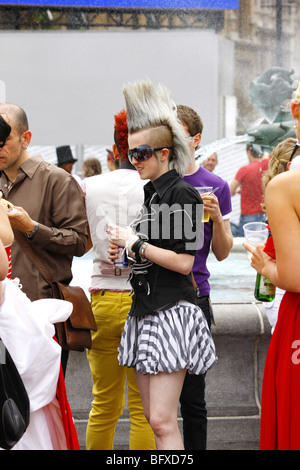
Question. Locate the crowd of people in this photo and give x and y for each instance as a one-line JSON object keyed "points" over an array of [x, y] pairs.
{"points": [[153, 314]]}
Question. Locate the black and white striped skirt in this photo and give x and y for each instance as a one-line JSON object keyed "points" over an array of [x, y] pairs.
{"points": [[170, 340]]}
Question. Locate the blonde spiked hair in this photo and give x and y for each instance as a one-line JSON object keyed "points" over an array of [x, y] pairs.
{"points": [[147, 108]]}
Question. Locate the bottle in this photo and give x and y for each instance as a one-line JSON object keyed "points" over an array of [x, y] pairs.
{"points": [[264, 289], [121, 262]]}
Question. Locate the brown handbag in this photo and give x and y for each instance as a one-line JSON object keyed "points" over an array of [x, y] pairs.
{"points": [[75, 332]]}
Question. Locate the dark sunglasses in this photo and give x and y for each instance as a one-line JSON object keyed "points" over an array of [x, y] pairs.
{"points": [[294, 151], [3, 142], [143, 152]]}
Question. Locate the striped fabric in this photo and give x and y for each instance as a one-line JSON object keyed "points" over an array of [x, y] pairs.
{"points": [[171, 340], [8, 252]]}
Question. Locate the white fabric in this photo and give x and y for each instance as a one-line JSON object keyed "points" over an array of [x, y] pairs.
{"points": [[45, 431], [295, 162], [115, 197], [272, 308], [27, 330]]}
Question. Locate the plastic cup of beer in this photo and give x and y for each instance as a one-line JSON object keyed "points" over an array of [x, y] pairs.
{"points": [[255, 233], [203, 190]]}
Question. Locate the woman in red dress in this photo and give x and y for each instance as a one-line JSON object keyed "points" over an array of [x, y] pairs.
{"points": [[280, 407]]}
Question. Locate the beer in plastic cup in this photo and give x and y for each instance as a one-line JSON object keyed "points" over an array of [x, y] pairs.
{"points": [[202, 190]]}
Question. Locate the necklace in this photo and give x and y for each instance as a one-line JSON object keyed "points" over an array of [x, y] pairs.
{"points": [[9, 183]]}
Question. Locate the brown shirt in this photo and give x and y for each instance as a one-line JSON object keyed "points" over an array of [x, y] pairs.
{"points": [[53, 198]]}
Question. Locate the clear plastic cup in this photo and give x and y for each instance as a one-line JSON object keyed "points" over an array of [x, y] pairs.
{"points": [[255, 233], [203, 190]]}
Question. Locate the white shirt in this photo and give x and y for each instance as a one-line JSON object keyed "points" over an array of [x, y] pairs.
{"points": [[115, 197]]}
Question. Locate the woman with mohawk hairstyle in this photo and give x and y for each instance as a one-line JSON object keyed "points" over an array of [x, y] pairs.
{"points": [[165, 333], [150, 108], [114, 197]]}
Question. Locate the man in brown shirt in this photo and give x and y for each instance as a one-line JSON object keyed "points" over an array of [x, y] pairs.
{"points": [[50, 208]]}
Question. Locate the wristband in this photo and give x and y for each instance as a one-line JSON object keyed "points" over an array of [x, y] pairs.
{"points": [[129, 244], [34, 230], [142, 250], [136, 246]]}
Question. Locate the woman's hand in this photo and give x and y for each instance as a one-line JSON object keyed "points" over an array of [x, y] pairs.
{"points": [[113, 251], [118, 235], [260, 261]]}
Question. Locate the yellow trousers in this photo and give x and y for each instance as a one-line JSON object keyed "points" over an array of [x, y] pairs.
{"points": [[110, 311]]}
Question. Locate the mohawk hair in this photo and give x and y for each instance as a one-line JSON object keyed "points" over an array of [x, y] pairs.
{"points": [[121, 134], [148, 107]]}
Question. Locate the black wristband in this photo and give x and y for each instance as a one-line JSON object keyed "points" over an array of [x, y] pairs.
{"points": [[136, 246]]}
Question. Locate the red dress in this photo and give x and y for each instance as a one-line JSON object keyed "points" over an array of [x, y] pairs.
{"points": [[8, 252], [66, 413], [280, 407]]}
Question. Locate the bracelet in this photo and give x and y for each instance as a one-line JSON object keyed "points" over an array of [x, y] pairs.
{"points": [[136, 246], [142, 251], [34, 230]]}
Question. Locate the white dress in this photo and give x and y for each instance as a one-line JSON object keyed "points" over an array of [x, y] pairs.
{"points": [[27, 330]]}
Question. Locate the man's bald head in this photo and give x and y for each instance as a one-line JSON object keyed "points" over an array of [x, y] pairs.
{"points": [[15, 116]]}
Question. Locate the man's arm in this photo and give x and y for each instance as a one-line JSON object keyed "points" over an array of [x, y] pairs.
{"points": [[234, 187], [222, 239], [68, 231]]}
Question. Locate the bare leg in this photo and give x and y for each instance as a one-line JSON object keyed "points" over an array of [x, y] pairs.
{"points": [[160, 396]]}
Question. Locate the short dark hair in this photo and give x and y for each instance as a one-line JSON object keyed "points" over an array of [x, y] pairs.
{"points": [[255, 150], [190, 118], [21, 120]]}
